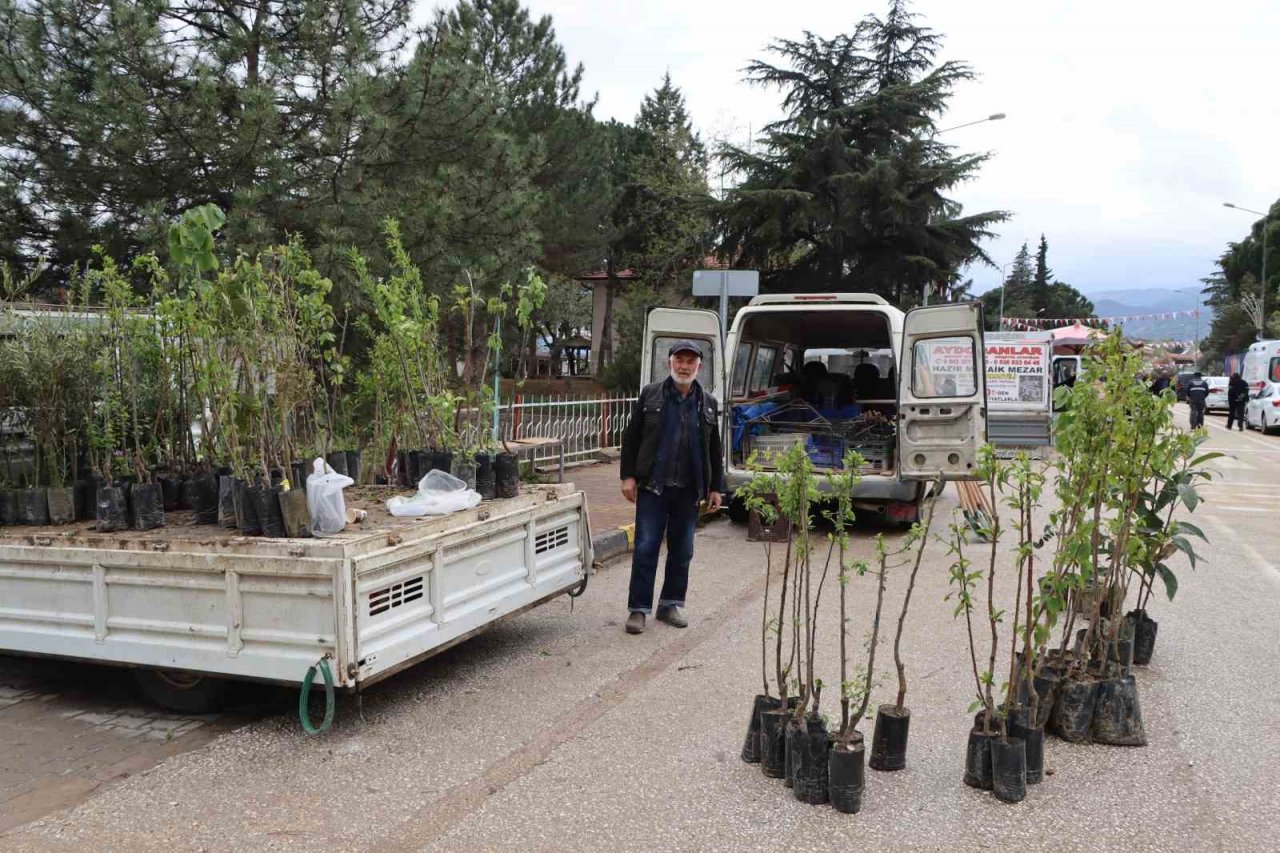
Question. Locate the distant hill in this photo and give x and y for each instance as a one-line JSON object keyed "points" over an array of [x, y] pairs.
{"points": [[1123, 303]]}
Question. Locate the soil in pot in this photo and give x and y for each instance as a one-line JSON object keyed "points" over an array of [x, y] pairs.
{"points": [[794, 732], [266, 500], [205, 499], [147, 502], [464, 468], [294, 512], [889, 740], [773, 742], [86, 496], [751, 743], [486, 476], [228, 516], [1009, 769], [111, 509], [353, 464], [1117, 715], [247, 520], [62, 505], [1144, 636], [847, 776], [8, 506], [33, 506], [507, 473], [977, 760], [811, 763], [1073, 711]]}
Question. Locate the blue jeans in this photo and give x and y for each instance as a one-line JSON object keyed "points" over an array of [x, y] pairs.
{"points": [[674, 513]]}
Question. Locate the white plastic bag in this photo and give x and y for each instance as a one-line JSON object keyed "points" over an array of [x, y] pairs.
{"points": [[438, 494], [324, 498]]}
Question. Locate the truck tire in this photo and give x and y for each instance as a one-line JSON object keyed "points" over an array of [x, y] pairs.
{"points": [[184, 692]]}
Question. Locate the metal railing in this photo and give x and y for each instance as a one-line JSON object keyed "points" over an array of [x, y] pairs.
{"points": [[586, 425]]}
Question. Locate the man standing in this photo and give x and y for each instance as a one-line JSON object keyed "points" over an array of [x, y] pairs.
{"points": [[671, 459], [1197, 392], [1237, 399]]}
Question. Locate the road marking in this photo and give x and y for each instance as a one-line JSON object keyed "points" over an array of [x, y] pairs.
{"points": [[1222, 530], [1246, 436], [1237, 508]]}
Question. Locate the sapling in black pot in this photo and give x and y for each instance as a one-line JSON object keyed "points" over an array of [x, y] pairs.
{"points": [[1023, 696]]}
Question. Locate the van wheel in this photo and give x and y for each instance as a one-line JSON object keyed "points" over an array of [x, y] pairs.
{"points": [[738, 511], [184, 692]]}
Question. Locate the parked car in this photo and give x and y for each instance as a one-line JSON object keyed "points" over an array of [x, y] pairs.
{"points": [[1263, 409], [1180, 383], [1217, 398]]}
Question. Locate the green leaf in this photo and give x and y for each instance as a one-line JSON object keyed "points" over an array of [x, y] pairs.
{"points": [[1170, 580], [1206, 457], [1189, 496], [1188, 527]]}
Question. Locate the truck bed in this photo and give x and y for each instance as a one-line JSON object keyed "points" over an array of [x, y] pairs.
{"points": [[380, 595]]}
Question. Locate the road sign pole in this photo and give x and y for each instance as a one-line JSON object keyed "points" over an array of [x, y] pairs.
{"points": [[724, 308]]}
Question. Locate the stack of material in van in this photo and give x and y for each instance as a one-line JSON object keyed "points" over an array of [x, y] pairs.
{"points": [[872, 435]]}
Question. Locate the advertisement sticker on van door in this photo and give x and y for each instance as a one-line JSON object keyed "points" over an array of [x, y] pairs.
{"points": [[945, 367], [1016, 373]]}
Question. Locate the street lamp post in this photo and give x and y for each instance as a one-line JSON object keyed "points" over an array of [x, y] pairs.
{"points": [[924, 296], [1004, 285], [1262, 306]]}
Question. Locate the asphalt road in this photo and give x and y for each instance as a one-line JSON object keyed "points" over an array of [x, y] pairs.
{"points": [[557, 731]]}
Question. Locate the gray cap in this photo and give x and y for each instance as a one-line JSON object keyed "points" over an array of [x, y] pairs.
{"points": [[685, 346]]}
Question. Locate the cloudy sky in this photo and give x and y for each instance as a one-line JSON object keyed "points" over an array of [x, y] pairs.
{"points": [[1129, 123]]}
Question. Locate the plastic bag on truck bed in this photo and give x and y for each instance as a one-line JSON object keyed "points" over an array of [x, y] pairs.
{"points": [[324, 498], [438, 494]]}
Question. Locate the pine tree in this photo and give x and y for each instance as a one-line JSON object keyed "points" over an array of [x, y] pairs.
{"points": [[1043, 276]]}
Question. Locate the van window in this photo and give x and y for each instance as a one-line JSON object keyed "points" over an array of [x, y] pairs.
{"points": [[944, 367], [741, 364], [762, 370], [1274, 374], [661, 370]]}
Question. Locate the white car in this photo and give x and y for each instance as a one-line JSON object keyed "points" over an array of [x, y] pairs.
{"points": [[1263, 410], [1217, 398]]}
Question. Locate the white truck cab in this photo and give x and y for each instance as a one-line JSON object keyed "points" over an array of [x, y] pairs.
{"points": [[838, 372]]}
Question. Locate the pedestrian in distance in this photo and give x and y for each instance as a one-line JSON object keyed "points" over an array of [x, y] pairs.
{"points": [[672, 460], [1237, 399], [1197, 394]]}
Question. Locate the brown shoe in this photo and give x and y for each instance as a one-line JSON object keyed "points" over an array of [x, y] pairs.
{"points": [[635, 623], [673, 617]]}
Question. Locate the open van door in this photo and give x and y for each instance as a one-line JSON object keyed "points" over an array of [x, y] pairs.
{"points": [[942, 416], [664, 326]]}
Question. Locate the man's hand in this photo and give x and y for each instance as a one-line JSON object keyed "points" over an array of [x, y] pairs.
{"points": [[714, 501], [629, 489]]}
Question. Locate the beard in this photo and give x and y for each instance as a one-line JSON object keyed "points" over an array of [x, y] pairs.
{"points": [[683, 383]]}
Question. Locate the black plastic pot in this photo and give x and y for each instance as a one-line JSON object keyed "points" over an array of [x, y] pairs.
{"points": [[773, 749], [486, 476], [811, 763], [184, 494], [889, 740], [353, 464], [1117, 714], [1032, 738], [847, 776], [793, 732], [62, 505], [295, 514], [205, 499], [403, 474], [86, 495], [337, 460], [441, 460], [33, 506], [266, 501], [8, 506], [147, 506], [977, 760], [1047, 691], [247, 521], [1073, 711], [299, 470], [507, 474], [228, 515], [464, 468], [1009, 769], [111, 509], [170, 488], [417, 463], [751, 743], [1144, 636]]}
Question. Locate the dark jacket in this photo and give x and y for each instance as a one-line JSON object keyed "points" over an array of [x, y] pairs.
{"points": [[1237, 391], [1197, 391], [643, 435]]}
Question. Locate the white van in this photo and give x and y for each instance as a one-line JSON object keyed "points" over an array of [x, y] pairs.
{"points": [[1261, 364], [840, 371]]}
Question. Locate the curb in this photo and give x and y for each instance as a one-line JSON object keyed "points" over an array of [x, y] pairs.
{"points": [[614, 543]]}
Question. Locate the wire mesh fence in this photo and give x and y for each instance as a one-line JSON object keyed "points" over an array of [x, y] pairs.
{"points": [[586, 425]]}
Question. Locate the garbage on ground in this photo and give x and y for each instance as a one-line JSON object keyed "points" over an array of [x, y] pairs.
{"points": [[438, 493]]}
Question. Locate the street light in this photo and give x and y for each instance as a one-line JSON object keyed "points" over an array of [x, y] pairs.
{"points": [[1004, 285], [1262, 306]]}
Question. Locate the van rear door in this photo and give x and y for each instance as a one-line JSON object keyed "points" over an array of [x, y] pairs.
{"points": [[664, 326], [942, 417]]}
